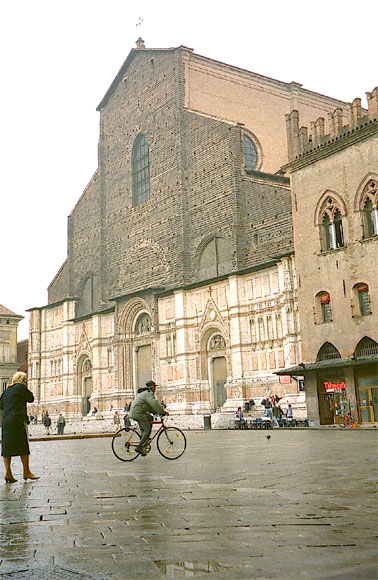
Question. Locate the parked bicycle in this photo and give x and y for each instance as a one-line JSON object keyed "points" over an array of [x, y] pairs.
{"points": [[170, 441], [345, 419]]}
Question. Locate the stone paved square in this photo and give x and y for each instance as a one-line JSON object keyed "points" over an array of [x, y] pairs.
{"points": [[301, 504]]}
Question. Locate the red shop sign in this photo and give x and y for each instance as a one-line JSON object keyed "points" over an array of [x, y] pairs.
{"points": [[330, 387]]}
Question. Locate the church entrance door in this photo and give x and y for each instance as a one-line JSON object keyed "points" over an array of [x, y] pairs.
{"points": [[219, 377], [143, 365], [86, 386]]}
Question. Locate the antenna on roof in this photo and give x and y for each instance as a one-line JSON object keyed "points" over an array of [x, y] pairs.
{"points": [[140, 41]]}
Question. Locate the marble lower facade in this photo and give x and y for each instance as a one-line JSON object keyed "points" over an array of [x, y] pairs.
{"points": [[209, 348]]}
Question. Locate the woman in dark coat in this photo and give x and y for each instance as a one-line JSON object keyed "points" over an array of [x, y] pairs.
{"points": [[14, 435]]}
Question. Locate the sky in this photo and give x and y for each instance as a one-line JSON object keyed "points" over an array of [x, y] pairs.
{"points": [[59, 58]]}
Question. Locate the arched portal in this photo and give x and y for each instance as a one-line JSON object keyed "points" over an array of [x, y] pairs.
{"points": [[85, 383], [216, 352], [143, 354]]}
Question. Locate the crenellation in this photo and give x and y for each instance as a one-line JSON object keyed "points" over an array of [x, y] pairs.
{"points": [[335, 122], [318, 129], [372, 99], [301, 143]]}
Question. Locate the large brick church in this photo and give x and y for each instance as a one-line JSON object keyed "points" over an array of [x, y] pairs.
{"points": [[180, 250]]}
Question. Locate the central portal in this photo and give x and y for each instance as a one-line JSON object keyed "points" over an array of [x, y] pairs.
{"points": [[219, 377], [143, 365]]}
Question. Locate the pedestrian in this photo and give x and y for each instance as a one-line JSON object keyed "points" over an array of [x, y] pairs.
{"points": [[289, 416], [14, 435], [275, 415], [268, 408], [47, 422], [94, 411], [35, 418], [60, 424], [126, 408], [143, 405], [116, 419], [126, 420]]}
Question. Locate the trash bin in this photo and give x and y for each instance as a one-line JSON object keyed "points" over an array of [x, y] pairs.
{"points": [[207, 421]]}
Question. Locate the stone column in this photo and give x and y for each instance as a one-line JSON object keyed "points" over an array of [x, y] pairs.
{"points": [[351, 392], [312, 401]]}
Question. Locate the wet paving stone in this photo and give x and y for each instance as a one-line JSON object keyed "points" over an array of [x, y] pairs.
{"points": [[46, 573], [301, 505]]}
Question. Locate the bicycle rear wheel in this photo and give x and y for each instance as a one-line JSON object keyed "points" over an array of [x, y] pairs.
{"points": [[171, 443], [124, 443]]}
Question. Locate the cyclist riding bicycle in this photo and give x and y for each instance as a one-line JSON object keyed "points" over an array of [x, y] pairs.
{"points": [[144, 404]]}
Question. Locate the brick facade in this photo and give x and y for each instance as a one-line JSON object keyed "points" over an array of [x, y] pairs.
{"points": [[335, 163]]}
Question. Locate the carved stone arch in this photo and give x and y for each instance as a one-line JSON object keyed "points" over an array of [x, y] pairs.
{"points": [[84, 381], [322, 203], [359, 196], [214, 364], [208, 331], [136, 345], [129, 314]]}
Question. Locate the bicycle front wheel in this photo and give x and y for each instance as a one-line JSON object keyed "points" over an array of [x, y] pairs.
{"points": [[124, 444], [171, 443]]}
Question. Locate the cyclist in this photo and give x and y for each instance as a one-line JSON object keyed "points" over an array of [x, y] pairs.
{"points": [[141, 408]]}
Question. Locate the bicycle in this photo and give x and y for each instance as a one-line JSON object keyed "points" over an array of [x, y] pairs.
{"points": [[170, 442], [345, 420]]}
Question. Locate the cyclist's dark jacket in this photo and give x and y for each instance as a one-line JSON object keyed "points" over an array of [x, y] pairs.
{"points": [[145, 401]]}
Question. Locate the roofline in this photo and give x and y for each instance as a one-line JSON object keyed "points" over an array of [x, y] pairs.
{"points": [[265, 77], [130, 57]]}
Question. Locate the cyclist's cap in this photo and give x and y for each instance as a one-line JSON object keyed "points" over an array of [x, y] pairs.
{"points": [[151, 384]]}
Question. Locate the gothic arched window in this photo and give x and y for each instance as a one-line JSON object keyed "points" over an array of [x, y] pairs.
{"points": [[250, 154], [331, 221], [141, 170], [366, 347], [369, 207], [328, 352]]}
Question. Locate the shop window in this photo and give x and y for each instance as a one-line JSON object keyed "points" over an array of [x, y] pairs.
{"points": [[141, 170], [332, 228], [250, 154], [323, 313], [366, 347], [327, 352], [369, 209]]}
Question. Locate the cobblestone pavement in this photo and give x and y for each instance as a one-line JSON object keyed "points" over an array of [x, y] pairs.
{"points": [[301, 504]]}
